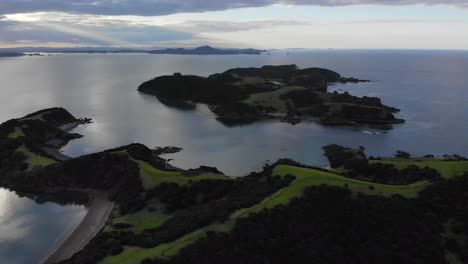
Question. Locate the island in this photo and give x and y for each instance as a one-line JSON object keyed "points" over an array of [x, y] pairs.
{"points": [[285, 92], [362, 209], [202, 50], [207, 50]]}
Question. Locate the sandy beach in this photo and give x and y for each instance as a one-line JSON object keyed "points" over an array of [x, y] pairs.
{"points": [[98, 213]]}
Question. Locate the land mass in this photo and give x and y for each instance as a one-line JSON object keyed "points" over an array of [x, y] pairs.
{"points": [[207, 50], [11, 54], [361, 210], [202, 50], [246, 95]]}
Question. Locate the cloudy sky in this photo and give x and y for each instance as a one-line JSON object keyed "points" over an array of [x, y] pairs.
{"points": [[420, 24]]}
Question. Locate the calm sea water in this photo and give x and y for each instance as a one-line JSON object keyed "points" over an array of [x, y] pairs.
{"points": [[430, 87], [29, 231]]}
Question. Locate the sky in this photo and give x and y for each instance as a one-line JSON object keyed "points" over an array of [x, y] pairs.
{"points": [[266, 24]]}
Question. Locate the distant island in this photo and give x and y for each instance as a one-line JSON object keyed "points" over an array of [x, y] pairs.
{"points": [[203, 50], [207, 50], [142, 210], [245, 95]]}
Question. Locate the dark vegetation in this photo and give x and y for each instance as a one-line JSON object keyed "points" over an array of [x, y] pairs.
{"points": [[387, 173], [337, 155], [237, 113], [357, 166], [117, 174], [226, 93], [325, 225], [166, 150], [36, 132], [330, 225], [189, 217], [194, 206], [114, 173]]}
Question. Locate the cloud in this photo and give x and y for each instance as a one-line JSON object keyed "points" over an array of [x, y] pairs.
{"points": [[102, 33], [166, 7], [230, 26]]}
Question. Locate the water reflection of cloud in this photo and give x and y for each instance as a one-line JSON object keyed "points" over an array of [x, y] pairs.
{"points": [[16, 229], [28, 230]]}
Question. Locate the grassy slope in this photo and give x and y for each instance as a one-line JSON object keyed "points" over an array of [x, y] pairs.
{"points": [[447, 169], [304, 178], [309, 177], [134, 255], [34, 160], [141, 220], [272, 99], [17, 133], [153, 177], [36, 117]]}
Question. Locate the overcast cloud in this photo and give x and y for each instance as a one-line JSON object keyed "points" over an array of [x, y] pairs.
{"points": [[165, 7], [173, 23]]}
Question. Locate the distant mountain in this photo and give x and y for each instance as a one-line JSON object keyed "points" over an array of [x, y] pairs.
{"points": [[203, 50], [11, 54], [207, 50]]}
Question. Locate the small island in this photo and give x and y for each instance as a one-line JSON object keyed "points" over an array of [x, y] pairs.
{"points": [[285, 92]]}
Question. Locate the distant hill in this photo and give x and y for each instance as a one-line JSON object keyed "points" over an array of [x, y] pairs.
{"points": [[207, 50], [203, 50]]}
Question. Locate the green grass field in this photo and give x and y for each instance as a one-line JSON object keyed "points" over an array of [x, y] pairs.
{"points": [[35, 160], [17, 133], [304, 178], [152, 177], [272, 99], [309, 177], [134, 255], [447, 169], [141, 220], [36, 117]]}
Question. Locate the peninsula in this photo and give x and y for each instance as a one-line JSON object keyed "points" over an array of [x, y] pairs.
{"points": [[246, 95], [369, 209]]}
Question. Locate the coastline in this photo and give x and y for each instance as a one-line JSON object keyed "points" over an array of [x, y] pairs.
{"points": [[53, 146], [99, 209], [98, 212]]}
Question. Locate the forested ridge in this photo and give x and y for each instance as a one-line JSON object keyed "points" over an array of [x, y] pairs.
{"points": [[399, 209]]}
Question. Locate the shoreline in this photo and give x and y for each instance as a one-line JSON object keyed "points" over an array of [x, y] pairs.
{"points": [[52, 147], [98, 212]]}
